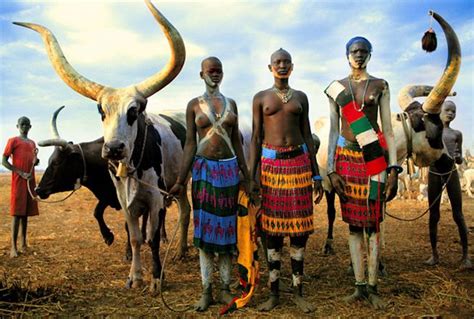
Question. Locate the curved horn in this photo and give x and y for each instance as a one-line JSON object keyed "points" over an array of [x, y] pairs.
{"points": [[54, 142], [62, 67], [437, 96], [53, 127], [159, 80], [409, 92]]}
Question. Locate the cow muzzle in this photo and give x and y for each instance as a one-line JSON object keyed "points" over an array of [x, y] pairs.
{"points": [[114, 150]]}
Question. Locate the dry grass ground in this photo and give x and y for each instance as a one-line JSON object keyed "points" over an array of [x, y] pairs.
{"points": [[68, 270]]}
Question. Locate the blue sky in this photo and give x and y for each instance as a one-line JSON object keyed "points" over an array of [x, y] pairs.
{"points": [[118, 43]]}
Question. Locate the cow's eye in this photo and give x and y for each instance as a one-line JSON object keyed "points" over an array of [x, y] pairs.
{"points": [[132, 115], [101, 112]]}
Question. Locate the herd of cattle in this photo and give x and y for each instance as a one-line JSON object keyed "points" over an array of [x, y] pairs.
{"points": [[138, 158]]}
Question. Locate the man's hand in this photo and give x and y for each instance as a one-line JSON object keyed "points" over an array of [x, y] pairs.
{"points": [[23, 175], [318, 191], [392, 185], [254, 191], [177, 190], [339, 185]]}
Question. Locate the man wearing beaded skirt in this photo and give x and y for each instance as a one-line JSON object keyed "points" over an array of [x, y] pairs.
{"points": [[282, 144], [357, 161]]}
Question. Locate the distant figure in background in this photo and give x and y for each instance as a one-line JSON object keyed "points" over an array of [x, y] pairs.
{"points": [[22, 205], [437, 177]]}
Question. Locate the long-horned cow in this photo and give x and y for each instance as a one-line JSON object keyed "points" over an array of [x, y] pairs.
{"points": [[418, 131], [133, 140]]}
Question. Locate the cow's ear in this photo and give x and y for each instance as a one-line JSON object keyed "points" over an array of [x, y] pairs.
{"points": [[101, 112], [141, 103]]}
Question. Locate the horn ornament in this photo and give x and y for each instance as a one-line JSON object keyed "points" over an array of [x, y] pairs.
{"points": [[441, 90]]}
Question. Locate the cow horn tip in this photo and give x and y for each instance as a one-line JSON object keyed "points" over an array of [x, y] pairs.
{"points": [[22, 24]]}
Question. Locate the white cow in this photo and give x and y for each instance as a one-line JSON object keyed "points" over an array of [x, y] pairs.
{"points": [[139, 145]]}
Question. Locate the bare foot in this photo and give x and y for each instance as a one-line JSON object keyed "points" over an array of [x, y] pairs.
{"points": [[377, 302], [225, 296], [465, 264], [13, 253], [204, 302], [360, 293], [268, 305], [304, 305], [433, 260]]}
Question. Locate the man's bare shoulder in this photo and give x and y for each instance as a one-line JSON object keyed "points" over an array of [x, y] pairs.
{"points": [[262, 93], [379, 82]]}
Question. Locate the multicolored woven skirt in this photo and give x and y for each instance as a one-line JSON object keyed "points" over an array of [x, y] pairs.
{"points": [[364, 193], [214, 192], [287, 208]]}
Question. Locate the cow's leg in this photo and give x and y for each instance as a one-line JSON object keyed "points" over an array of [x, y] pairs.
{"points": [[184, 216], [107, 235], [161, 226], [128, 247], [135, 277], [155, 252], [331, 211]]}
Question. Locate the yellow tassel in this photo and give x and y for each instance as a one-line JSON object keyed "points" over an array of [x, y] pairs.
{"points": [[122, 170]]}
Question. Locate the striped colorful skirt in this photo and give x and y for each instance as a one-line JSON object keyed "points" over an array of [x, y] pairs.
{"points": [[364, 193], [214, 192], [287, 207]]}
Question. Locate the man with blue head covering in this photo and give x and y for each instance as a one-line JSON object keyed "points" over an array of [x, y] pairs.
{"points": [[359, 169]]}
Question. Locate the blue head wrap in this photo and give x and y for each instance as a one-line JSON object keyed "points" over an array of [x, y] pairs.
{"points": [[358, 39]]}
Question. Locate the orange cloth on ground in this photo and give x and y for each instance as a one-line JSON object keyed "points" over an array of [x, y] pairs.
{"points": [[22, 153]]}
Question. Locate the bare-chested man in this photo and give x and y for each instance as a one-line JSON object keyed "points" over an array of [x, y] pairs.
{"points": [[437, 177], [282, 144], [215, 160], [357, 164]]}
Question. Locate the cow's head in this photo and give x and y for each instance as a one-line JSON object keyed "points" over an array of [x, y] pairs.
{"points": [[119, 108], [425, 121], [65, 166]]}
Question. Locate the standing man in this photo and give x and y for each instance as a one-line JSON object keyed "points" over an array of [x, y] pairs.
{"points": [[282, 144], [215, 160], [23, 152], [357, 164], [437, 177]]}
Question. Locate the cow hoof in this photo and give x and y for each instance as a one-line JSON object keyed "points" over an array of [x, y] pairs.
{"points": [[164, 240], [327, 249], [137, 283], [128, 255], [109, 239], [155, 286], [180, 254]]}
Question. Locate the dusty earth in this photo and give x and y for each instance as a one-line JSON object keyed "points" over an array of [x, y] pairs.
{"points": [[69, 270]]}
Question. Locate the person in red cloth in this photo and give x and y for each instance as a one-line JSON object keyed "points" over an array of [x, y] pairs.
{"points": [[359, 169], [22, 150]]}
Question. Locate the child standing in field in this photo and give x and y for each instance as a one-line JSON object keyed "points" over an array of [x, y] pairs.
{"points": [[22, 205]]}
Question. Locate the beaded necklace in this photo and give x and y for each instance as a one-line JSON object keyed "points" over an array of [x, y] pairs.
{"points": [[363, 97]]}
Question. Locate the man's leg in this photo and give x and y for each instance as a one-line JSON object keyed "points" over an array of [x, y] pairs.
{"points": [[206, 263], [297, 247], [225, 270], [434, 199], [23, 229], [274, 247], [14, 233], [373, 238], [455, 197], [356, 248]]}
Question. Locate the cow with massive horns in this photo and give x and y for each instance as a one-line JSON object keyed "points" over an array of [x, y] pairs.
{"points": [[417, 131], [74, 165], [133, 140]]}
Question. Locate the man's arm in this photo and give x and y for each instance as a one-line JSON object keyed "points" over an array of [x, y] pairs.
{"points": [[336, 181], [385, 118], [237, 145], [12, 168], [458, 151], [308, 139], [256, 141], [189, 150]]}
